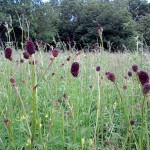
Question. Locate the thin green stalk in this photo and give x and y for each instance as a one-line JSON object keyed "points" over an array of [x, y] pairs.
{"points": [[146, 123], [98, 110], [34, 103], [24, 111], [142, 125], [11, 132]]}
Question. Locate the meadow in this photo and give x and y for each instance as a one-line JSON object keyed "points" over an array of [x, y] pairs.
{"points": [[44, 107]]}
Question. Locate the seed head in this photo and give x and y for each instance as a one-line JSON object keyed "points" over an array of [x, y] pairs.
{"points": [[75, 69], [143, 77], [55, 52], [134, 67], [8, 53], [30, 47]]}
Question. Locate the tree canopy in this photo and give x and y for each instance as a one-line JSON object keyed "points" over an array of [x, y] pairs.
{"points": [[78, 20]]}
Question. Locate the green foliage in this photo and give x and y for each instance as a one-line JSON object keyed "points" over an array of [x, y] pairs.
{"points": [[122, 20]]}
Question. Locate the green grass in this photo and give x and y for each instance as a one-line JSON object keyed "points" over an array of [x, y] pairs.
{"points": [[63, 110]]}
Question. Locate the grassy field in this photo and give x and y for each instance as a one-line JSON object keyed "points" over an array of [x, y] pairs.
{"points": [[43, 107]]}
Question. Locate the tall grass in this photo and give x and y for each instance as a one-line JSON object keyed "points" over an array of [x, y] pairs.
{"points": [[64, 112]]}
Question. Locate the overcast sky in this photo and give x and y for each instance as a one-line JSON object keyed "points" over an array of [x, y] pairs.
{"points": [[48, 0]]}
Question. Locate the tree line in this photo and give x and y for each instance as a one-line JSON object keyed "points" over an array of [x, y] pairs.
{"points": [[124, 22]]}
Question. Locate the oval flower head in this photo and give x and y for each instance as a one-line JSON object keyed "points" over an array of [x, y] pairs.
{"points": [[55, 52], [134, 67], [146, 88], [111, 77], [98, 68], [143, 77], [26, 55], [30, 47], [75, 69], [8, 53]]}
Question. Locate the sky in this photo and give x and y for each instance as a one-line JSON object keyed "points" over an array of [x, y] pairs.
{"points": [[48, 0]]}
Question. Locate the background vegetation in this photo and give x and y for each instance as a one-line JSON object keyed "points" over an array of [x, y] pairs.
{"points": [[124, 21]]}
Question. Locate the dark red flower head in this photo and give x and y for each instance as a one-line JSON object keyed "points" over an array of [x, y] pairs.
{"points": [[98, 68], [68, 59], [132, 122], [143, 77], [129, 73], [75, 69], [8, 53], [30, 47], [111, 77], [55, 52], [26, 55], [146, 88], [134, 67]]}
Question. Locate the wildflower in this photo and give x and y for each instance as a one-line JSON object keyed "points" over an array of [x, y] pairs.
{"points": [[55, 52], [30, 47], [26, 55], [75, 69], [12, 80], [146, 88], [98, 68], [143, 77], [132, 122], [129, 73], [134, 68], [111, 77], [8, 53], [68, 59]]}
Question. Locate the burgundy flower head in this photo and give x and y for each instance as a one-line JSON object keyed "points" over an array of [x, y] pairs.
{"points": [[146, 88], [75, 69], [26, 55], [129, 73], [132, 122], [8, 53], [143, 77], [134, 67], [55, 52], [68, 59], [111, 77], [30, 47], [98, 68]]}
